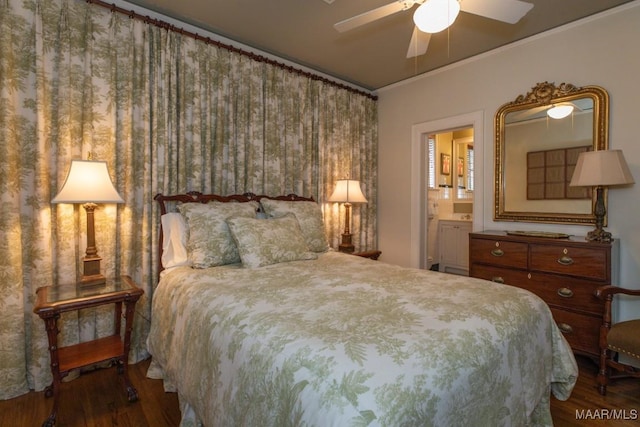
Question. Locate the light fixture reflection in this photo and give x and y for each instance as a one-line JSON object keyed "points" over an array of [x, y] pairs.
{"points": [[560, 111]]}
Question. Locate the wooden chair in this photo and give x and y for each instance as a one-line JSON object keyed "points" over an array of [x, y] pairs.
{"points": [[617, 339]]}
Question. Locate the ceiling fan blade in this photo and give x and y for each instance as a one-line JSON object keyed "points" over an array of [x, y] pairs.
{"points": [[419, 43], [509, 11], [522, 115], [370, 16]]}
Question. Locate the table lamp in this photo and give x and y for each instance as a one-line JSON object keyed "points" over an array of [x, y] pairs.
{"points": [[88, 183], [599, 169], [347, 191]]}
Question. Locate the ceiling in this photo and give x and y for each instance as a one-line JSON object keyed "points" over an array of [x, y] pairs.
{"points": [[371, 56]]}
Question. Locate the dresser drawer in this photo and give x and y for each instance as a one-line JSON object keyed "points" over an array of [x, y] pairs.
{"points": [[566, 292], [496, 252], [575, 261], [499, 275], [581, 331]]}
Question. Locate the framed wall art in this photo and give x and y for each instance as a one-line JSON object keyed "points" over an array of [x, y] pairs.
{"points": [[445, 164]]}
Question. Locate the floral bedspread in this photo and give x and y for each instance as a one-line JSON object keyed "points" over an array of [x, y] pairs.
{"points": [[347, 341]]}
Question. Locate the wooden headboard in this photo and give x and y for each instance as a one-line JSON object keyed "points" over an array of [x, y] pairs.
{"points": [[197, 197], [168, 203]]}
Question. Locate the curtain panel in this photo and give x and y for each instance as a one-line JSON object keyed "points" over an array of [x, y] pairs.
{"points": [[169, 114]]}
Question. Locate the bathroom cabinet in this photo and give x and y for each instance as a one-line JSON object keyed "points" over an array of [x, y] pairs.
{"points": [[453, 238]]}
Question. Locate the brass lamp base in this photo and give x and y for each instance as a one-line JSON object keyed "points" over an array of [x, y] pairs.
{"points": [[346, 245], [599, 211], [599, 235], [91, 274], [92, 281]]}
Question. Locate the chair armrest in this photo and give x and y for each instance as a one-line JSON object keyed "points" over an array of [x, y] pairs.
{"points": [[604, 291]]}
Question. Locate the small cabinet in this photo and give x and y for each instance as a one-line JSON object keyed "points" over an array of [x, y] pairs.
{"points": [[453, 239]]}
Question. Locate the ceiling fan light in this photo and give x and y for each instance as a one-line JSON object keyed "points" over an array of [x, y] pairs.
{"points": [[560, 111], [434, 16]]}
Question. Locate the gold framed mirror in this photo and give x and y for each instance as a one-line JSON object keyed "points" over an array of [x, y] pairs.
{"points": [[535, 154]]}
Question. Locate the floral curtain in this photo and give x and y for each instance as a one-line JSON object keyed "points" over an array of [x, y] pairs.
{"points": [[169, 114]]}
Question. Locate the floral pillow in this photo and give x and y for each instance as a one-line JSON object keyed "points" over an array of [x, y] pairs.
{"points": [[269, 241], [210, 243], [308, 215]]}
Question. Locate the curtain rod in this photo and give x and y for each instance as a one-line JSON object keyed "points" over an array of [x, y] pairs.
{"points": [[170, 27]]}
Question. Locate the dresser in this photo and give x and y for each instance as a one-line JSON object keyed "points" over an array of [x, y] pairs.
{"points": [[563, 272]]}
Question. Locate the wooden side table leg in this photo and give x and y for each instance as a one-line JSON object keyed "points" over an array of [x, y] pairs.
{"points": [[51, 324], [132, 393], [117, 317]]}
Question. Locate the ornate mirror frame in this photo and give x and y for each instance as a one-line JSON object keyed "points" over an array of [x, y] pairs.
{"points": [[541, 97]]}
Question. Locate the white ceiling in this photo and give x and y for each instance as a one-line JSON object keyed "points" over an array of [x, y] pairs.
{"points": [[371, 56]]}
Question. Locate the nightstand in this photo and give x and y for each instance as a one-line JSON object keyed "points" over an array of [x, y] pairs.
{"points": [[52, 301], [369, 254]]}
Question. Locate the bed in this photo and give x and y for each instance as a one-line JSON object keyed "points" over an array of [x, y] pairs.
{"points": [[292, 333]]}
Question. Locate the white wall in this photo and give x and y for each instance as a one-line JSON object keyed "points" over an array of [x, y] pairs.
{"points": [[602, 50]]}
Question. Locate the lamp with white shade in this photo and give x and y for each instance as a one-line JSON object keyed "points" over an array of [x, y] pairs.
{"points": [[88, 183], [347, 191], [599, 169]]}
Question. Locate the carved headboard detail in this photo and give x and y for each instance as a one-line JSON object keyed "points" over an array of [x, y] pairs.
{"points": [[168, 203]]}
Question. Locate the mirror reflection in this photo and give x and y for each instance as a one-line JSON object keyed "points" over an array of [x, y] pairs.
{"points": [[463, 165], [538, 139]]}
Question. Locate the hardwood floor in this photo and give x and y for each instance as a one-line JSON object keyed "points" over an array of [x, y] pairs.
{"points": [[96, 399], [623, 398]]}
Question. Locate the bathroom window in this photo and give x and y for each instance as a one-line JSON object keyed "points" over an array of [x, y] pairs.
{"points": [[470, 164], [431, 155]]}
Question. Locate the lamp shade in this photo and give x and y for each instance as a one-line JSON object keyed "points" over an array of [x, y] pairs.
{"points": [[88, 181], [347, 191], [434, 16], [601, 168]]}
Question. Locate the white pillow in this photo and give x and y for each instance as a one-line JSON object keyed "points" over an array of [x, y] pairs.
{"points": [[174, 240]]}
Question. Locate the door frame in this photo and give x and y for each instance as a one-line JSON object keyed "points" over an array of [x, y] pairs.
{"points": [[419, 133]]}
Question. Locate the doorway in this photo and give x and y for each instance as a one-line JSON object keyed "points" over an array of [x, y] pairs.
{"points": [[449, 163], [436, 173]]}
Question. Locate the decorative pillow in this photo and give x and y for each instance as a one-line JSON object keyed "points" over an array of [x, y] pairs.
{"points": [[174, 240], [309, 216], [210, 243], [269, 241]]}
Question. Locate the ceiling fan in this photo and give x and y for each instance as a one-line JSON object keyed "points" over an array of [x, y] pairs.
{"points": [[433, 16]]}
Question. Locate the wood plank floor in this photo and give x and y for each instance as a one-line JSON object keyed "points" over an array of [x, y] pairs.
{"points": [[96, 399]]}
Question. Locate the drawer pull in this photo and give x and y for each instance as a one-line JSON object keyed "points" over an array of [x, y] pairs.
{"points": [[497, 252], [565, 328], [497, 279], [565, 260], [565, 292]]}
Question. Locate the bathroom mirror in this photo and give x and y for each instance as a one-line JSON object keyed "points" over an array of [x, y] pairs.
{"points": [[463, 158], [535, 154]]}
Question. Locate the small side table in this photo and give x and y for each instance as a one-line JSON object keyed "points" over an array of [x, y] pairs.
{"points": [[369, 254], [51, 301]]}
